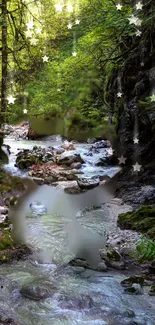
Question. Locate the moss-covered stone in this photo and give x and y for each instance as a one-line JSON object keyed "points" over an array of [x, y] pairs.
{"points": [[5, 240], [142, 220]]}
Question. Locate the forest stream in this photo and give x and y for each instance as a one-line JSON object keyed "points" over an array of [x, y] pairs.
{"points": [[73, 294]]}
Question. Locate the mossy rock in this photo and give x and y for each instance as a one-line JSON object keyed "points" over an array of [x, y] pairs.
{"points": [[5, 240], [26, 162], [142, 220], [132, 279]]}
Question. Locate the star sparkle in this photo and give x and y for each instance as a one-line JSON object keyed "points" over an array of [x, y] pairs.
{"points": [[136, 167], [38, 30], [122, 160], [25, 111], [119, 94], [34, 41], [138, 32], [135, 20], [142, 64], [135, 140], [28, 33], [74, 53], [119, 6], [30, 24], [139, 6], [69, 26], [45, 58], [59, 7], [11, 99], [77, 21], [152, 98]]}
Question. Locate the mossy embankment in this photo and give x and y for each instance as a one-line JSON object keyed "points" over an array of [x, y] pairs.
{"points": [[11, 187], [141, 220]]}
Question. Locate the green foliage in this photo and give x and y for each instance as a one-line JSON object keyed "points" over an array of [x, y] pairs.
{"points": [[145, 250]]}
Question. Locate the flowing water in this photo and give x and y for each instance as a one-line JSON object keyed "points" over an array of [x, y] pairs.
{"points": [[79, 296]]}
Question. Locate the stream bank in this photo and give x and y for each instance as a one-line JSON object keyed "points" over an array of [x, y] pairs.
{"points": [[78, 295]]}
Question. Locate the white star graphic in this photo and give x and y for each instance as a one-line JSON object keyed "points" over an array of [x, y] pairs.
{"points": [[34, 41], [110, 151], [122, 160], [135, 140], [25, 111], [59, 7], [152, 98], [135, 20], [30, 24], [45, 58], [59, 89], [139, 6], [138, 32], [70, 7], [142, 64], [74, 53], [28, 33], [69, 26], [11, 99], [136, 167], [119, 94], [38, 30], [119, 6], [77, 21]]}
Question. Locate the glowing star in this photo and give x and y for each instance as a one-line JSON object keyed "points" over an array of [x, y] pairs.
{"points": [[69, 26], [119, 94], [74, 53], [38, 30], [122, 160], [135, 140], [45, 58], [139, 6], [59, 7], [11, 99], [28, 33], [142, 64], [30, 24], [110, 151], [135, 20], [152, 98], [119, 6], [138, 33], [59, 89], [70, 7], [34, 41], [136, 167], [77, 21], [25, 111]]}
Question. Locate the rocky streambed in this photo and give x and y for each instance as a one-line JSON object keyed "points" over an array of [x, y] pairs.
{"points": [[53, 286]]}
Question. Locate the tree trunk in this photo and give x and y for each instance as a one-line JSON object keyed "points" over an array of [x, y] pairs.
{"points": [[4, 62]]}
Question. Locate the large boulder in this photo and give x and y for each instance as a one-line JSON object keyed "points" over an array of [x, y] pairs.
{"points": [[112, 258], [37, 291], [101, 144], [26, 158], [69, 159], [88, 183]]}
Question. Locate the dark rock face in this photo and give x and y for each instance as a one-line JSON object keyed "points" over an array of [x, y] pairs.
{"points": [[82, 301], [69, 159], [88, 183], [27, 158]]}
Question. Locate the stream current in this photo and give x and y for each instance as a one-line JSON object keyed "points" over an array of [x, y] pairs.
{"points": [[79, 296]]}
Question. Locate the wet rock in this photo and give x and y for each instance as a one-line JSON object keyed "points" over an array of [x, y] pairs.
{"points": [[112, 258], [69, 159], [152, 290], [70, 187], [132, 279], [76, 302], [101, 144], [39, 181], [91, 140], [3, 210], [129, 313], [79, 262], [152, 267], [5, 320], [37, 291], [38, 209], [102, 267], [26, 158], [135, 289], [88, 183], [59, 150], [76, 165]]}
